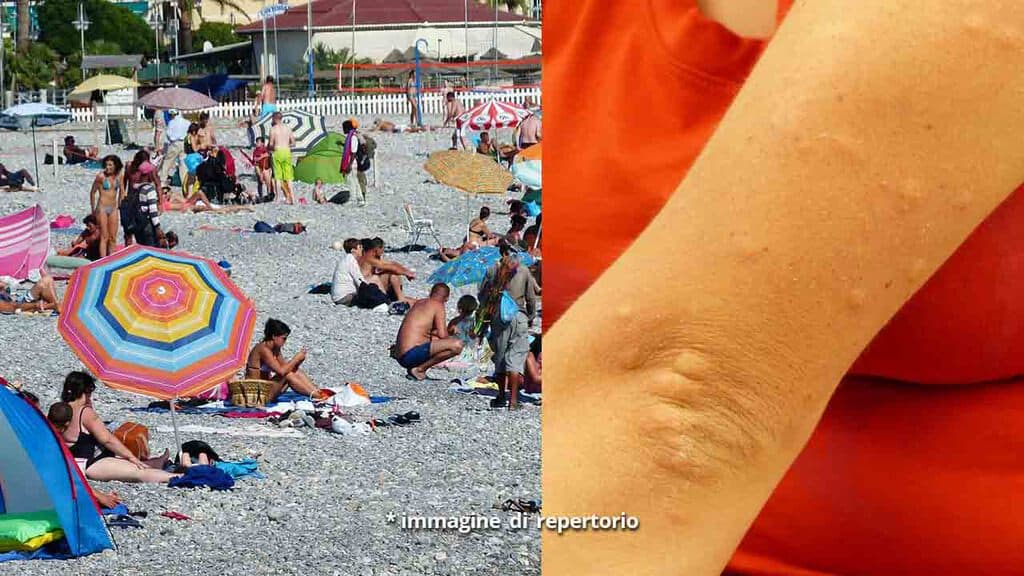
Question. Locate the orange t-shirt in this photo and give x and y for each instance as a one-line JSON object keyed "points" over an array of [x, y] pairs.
{"points": [[898, 478]]}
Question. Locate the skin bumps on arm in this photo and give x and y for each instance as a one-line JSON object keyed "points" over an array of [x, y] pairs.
{"points": [[868, 143]]}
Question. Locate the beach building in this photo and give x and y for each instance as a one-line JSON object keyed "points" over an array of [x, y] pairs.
{"points": [[451, 31]]}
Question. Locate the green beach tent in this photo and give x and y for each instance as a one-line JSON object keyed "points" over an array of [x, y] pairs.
{"points": [[322, 161]]}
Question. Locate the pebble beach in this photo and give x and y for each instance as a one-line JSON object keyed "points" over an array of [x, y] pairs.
{"points": [[330, 504]]}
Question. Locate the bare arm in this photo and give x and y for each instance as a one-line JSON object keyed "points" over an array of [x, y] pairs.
{"points": [[440, 328], [279, 368], [834, 187], [390, 267], [94, 193]]}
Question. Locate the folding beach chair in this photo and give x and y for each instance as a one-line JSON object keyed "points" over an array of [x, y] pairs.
{"points": [[416, 226]]}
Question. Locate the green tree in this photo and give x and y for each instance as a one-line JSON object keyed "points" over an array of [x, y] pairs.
{"points": [[36, 68], [326, 58], [216, 33], [110, 23]]}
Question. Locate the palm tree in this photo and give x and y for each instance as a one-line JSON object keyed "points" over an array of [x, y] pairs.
{"points": [[186, 7], [24, 22]]}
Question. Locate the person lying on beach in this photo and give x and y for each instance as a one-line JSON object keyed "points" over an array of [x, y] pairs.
{"points": [[19, 180], [385, 274], [173, 201], [8, 307], [87, 244], [423, 338], [98, 453], [266, 362], [41, 291], [74, 154]]}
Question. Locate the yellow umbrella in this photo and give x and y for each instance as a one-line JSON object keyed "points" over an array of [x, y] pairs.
{"points": [[468, 171], [104, 82]]}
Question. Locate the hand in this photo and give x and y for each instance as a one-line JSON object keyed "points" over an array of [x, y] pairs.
{"points": [[138, 463], [301, 356]]}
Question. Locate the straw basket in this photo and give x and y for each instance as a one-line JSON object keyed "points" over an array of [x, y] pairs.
{"points": [[249, 393]]}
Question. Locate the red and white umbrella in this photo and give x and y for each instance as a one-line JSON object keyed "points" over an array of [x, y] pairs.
{"points": [[492, 114]]}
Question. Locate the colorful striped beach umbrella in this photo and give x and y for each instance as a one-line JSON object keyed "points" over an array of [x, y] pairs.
{"points": [[157, 323], [309, 129], [492, 114]]}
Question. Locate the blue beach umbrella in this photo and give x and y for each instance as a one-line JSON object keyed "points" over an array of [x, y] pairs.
{"points": [[31, 115], [471, 267]]}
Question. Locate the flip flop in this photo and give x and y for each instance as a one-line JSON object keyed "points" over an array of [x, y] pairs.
{"points": [[398, 420], [124, 521]]}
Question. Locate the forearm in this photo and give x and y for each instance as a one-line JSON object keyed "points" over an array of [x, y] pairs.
{"points": [[833, 188]]}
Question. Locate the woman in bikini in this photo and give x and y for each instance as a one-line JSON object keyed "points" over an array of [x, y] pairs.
{"points": [[99, 454], [267, 363], [410, 93], [104, 199]]}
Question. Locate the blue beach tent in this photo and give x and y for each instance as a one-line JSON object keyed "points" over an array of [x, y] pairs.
{"points": [[38, 475]]}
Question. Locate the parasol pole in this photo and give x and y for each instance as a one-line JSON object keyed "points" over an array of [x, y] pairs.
{"points": [[536, 241], [174, 423], [35, 152]]}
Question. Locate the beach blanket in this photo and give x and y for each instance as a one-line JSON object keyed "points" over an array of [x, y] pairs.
{"points": [[24, 242], [203, 476], [52, 551], [253, 431], [490, 390], [289, 400], [240, 469]]}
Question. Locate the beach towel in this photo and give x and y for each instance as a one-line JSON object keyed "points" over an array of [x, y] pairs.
{"points": [[253, 431], [489, 389], [203, 476], [24, 242], [241, 469]]}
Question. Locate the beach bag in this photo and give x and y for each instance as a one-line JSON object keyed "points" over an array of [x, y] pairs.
{"points": [[135, 438], [290, 227], [507, 308], [346, 153], [367, 146]]}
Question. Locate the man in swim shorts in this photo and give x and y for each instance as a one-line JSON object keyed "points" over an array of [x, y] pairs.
{"points": [[281, 141], [266, 101], [423, 339]]}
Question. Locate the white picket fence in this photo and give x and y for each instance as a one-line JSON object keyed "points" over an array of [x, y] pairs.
{"points": [[369, 105]]}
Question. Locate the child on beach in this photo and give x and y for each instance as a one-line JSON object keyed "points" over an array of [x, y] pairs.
{"points": [[60, 415], [318, 192], [462, 325], [261, 165]]}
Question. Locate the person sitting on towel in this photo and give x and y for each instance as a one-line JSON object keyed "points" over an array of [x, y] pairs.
{"points": [[423, 339], [41, 291], [267, 363], [385, 274], [87, 244], [74, 154], [60, 415], [98, 453]]}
